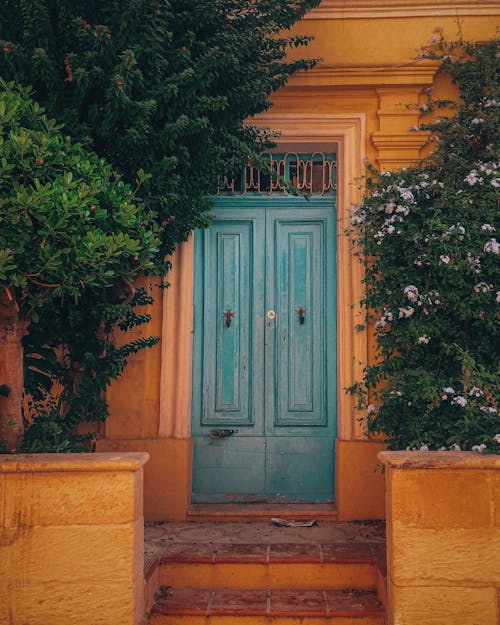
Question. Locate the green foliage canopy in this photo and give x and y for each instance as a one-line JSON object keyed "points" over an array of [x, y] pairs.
{"points": [[162, 86]]}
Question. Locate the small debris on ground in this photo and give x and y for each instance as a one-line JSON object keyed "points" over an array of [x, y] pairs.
{"points": [[285, 523]]}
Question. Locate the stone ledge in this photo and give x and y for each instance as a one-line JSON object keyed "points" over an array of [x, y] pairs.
{"points": [[438, 460], [82, 462]]}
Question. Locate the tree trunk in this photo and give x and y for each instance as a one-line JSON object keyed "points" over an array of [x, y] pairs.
{"points": [[12, 330]]}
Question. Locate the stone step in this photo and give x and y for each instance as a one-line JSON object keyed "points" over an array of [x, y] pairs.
{"points": [[291, 606], [278, 565]]}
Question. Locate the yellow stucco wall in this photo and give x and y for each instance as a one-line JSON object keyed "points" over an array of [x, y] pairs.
{"points": [[443, 520], [71, 539], [355, 99]]}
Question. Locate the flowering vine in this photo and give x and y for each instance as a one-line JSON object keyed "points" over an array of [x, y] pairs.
{"points": [[428, 236]]}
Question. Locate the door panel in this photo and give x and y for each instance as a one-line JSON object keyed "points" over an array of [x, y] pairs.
{"points": [[300, 357], [264, 392], [230, 271], [229, 470], [300, 469]]}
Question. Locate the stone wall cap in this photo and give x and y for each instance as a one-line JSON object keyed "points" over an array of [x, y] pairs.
{"points": [[438, 460], [50, 463]]}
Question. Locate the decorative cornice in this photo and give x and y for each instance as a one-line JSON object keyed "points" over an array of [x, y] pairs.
{"points": [[418, 73], [398, 141], [353, 9]]}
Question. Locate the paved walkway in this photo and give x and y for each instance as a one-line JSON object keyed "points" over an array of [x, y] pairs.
{"points": [[158, 536]]}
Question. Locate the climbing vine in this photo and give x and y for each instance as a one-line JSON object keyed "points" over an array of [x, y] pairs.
{"points": [[428, 237]]}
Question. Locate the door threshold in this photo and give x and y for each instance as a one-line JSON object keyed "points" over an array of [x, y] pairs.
{"points": [[241, 512]]}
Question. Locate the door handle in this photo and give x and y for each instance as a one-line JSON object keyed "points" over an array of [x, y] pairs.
{"points": [[228, 315], [301, 311]]}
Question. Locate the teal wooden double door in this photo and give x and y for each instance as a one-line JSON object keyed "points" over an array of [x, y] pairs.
{"points": [[264, 383]]}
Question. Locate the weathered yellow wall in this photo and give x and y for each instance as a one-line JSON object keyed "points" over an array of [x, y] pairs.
{"points": [[367, 73], [167, 475], [443, 538], [71, 539], [360, 480]]}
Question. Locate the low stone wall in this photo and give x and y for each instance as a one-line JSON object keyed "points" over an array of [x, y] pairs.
{"points": [[443, 539], [71, 539]]}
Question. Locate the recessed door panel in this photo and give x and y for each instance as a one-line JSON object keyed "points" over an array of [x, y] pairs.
{"points": [[300, 337]]}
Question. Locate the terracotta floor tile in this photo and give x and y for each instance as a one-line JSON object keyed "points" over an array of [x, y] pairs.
{"points": [[353, 600], [298, 602], [186, 552], [294, 552], [183, 601], [241, 553], [231, 601], [347, 552]]}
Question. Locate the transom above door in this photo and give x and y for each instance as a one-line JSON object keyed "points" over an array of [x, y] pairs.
{"points": [[264, 391]]}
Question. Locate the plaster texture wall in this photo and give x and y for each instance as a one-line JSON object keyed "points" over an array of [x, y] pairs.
{"points": [[443, 538], [71, 539]]}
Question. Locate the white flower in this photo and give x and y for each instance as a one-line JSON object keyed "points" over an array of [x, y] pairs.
{"points": [[492, 246], [424, 447], [495, 182], [404, 313], [488, 228], [496, 438], [477, 120], [444, 259], [411, 292], [476, 391], [488, 409], [473, 178], [455, 447], [449, 390], [482, 287], [459, 401], [396, 393], [423, 339], [479, 448], [406, 194], [498, 297], [371, 409]]}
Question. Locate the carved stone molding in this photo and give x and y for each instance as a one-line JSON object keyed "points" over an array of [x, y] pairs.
{"points": [[418, 73], [398, 150]]}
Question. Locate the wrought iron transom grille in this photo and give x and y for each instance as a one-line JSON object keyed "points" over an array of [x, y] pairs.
{"points": [[310, 174]]}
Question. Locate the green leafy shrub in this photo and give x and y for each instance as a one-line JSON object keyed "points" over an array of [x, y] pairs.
{"points": [[70, 228], [428, 236]]}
